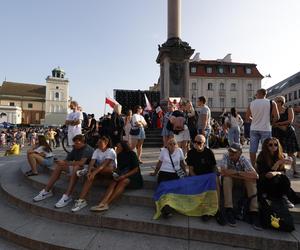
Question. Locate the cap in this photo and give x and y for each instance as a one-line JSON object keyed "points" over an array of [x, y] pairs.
{"points": [[234, 147]]}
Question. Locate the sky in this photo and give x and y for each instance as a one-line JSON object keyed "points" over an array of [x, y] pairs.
{"points": [[105, 45]]}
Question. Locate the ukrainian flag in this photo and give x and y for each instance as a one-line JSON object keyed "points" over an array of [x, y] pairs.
{"points": [[192, 196]]}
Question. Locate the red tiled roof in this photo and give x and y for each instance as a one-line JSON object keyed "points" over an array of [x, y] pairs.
{"points": [[22, 89]]}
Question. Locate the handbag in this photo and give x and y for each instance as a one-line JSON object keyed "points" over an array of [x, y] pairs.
{"points": [[179, 172], [134, 131]]}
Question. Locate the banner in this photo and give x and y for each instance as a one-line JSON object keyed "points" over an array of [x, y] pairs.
{"points": [[111, 102], [148, 105]]}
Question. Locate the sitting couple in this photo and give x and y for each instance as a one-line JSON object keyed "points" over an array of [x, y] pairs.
{"points": [[102, 162]]}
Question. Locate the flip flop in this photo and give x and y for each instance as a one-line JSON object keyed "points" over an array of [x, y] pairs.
{"points": [[30, 173], [99, 208]]}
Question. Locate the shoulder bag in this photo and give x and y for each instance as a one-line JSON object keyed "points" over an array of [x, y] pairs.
{"points": [[179, 172]]}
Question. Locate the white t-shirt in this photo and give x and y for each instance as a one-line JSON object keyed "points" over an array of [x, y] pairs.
{"points": [[137, 118], [41, 149], [234, 121], [260, 111], [74, 130], [101, 156], [164, 157]]}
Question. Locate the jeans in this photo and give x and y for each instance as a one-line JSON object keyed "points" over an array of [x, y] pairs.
{"points": [[255, 137], [234, 135]]}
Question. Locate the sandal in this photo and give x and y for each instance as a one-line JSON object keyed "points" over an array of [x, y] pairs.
{"points": [[99, 208], [30, 173]]}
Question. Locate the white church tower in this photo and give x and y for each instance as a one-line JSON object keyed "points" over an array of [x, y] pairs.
{"points": [[57, 97]]}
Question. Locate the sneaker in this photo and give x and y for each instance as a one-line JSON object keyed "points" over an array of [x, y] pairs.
{"points": [[288, 203], [205, 218], [43, 195], [230, 217], [256, 221], [81, 172], [220, 218], [64, 201], [166, 212], [79, 204]]}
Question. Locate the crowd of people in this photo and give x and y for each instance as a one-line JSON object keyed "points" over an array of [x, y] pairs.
{"points": [[188, 134]]}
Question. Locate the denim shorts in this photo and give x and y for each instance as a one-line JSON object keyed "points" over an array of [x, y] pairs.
{"points": [[140, 136], [256, 137], [48, 162]]}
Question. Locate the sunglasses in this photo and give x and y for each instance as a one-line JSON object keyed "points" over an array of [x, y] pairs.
{"points": [[199, 142], [273, 144]]}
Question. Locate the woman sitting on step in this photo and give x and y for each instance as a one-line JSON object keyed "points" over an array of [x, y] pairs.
{"points": [[103, 163], [41, 154], [127, 174]]}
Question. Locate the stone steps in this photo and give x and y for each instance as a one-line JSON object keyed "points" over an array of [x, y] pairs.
{"points": [[130, 218]]}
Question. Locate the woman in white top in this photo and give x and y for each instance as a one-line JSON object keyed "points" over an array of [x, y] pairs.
{"points": [[41, 154], [127, 127], [138, 123], [234, 122]]}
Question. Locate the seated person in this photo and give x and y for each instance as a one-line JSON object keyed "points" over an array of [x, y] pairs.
{"points": [[14, 149], [166, 169], [127, 174], [41, 154], [237, 168], [201, 160], [76, 159], [103, 163], [271, 169]]}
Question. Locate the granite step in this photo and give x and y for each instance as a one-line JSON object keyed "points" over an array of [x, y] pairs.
{"points": [[135, 219]]}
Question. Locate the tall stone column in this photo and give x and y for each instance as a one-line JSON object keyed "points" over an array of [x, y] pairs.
{"points": [[173, 57]]}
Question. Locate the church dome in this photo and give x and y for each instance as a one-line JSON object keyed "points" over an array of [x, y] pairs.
{"points": [[58, 72]]}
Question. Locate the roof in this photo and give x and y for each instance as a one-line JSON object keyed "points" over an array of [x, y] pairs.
{"points": [[22, 90], [240, 69], [286, 83]]}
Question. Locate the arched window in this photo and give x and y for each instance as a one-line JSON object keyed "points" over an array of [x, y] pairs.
{"points": [[56, 95], [210, 86], [222, 86]]}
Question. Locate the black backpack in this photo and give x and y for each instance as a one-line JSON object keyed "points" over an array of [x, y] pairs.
{"points": [[275, 214]]}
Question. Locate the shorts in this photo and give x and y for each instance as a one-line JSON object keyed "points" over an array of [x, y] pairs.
{"points": [[255, 137], [183, 135], [140, 136], [48, 162]]}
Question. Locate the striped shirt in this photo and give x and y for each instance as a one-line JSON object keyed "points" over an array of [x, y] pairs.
{"points": [[243, 164]]}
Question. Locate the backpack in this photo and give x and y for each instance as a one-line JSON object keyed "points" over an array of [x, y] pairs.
{"points": [[275, 214]]}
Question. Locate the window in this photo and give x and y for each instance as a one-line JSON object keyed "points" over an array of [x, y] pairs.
{"points": [[295, 95], [221, 70], [233, 102], [222, 103], [208, 70], [194, 86], [11, 104], [233, 70], [290, 96], [209, 86], [194, 99], [248, 71], [210, 102], [30, 105], [57, 87], [193, 69], [56, 95], [222, 86], [249, 86], [285, 96], [233, 87]]}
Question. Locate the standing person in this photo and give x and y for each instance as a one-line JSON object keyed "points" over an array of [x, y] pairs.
{"points": [[73, 121], [117, 125], [92, 124], [57, 137], [166, 133], [261, 112], [138, 123], [51, 137], [127, 127], [285, 132], [204, 116], [41, 154], [192, 119], [234, 122]]}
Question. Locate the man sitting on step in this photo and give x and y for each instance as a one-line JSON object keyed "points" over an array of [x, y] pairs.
{"points": [[237, 168], [76, 160]]}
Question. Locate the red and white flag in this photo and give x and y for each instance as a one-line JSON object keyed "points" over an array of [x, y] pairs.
{"points": [[148, 105], [111, 102]]}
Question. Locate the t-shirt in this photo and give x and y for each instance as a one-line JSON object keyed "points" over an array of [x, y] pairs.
{"points": [[15, 149], [137, 118], [101, 156], [78, 154], [260, 112], [74, 130], [205, 110], [41, 149], [243, 164], [127, 161], [164, 157], [203, 162]]}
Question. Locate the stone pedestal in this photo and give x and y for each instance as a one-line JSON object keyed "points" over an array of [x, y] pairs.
{"points": [[173, 57]]}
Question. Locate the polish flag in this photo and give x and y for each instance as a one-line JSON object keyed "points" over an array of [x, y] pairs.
{"points": [[111, 102], [148, 105]]}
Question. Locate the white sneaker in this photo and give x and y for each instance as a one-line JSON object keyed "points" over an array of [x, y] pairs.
{"points": [[79, 204], [81, 172], [64, 201], [43, 195]]}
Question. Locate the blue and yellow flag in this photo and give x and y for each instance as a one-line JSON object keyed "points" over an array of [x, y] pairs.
{"points": [[192, 196]]}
